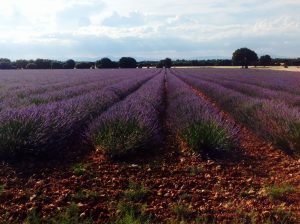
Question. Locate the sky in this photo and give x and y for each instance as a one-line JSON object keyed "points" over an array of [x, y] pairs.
{"points": [[155, 29]]}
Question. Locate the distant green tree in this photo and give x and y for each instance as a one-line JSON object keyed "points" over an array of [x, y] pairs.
{"points": [[224, 62], [265, 60], [160, 64], [69, 64], [5, 63], [244, 57], [21, 63], [43, 63], [83, 65], [56, 65], [104, 63], [127, 62], [31, 66], [168, 63]]}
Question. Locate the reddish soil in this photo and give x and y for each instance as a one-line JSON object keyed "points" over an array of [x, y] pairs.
{"points": [[222, 190]]}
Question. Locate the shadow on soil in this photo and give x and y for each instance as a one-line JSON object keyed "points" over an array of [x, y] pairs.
{"points": [[27, 165]]}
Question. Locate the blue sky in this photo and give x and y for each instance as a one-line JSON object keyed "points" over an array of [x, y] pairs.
{"points": [[91, 29]]}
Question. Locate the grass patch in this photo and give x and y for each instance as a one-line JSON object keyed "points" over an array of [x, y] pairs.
{"points": [[279, 191], [129, 213], [181, 211], [206, 137], [86, 195], [246, 217], [70, 216], [135, 192], [117, 138], [280, 216], [33, 217], [79, 169], [195, 170]]}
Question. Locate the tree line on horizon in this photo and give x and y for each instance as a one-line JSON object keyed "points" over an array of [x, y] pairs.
{"points": [[241, 57]]}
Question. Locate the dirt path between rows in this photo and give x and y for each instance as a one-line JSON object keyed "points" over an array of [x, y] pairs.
{"points": [[181, 185]]}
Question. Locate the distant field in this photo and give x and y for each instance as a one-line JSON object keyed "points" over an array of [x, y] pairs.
{"points": [[184, 145]]}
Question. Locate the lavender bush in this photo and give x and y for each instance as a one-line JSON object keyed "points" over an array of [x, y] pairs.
{"points": [[275, 121], [197, 122], [132, 124], [51, 127]]}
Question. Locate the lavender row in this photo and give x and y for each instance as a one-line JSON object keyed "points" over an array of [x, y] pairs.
{"points": [[50, 127], [196, 122], [71, 80], [274, 80], [54, 96], [274, 121], [255, 91], [131, 125]]}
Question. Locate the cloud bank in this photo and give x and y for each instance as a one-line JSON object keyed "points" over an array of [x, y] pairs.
{"points": [[154, 29]]}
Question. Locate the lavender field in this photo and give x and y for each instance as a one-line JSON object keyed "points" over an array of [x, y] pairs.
{"points": [[41, 111], [265, 101], [188, 134]]}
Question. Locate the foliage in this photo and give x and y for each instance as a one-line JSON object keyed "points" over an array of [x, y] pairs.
{"points": [[196, 122], [135, 192], [206, 137], [31, 66], [244, 57], [265, 60], [69, 64], [181, 211], [21, 64], [265, 105], [83, 65], [5, 63], [127, 62], [130, 213], [79, 169], [43, 63], [131, 125], [56, 65], [15, 135], [118, 137], [105, 63], [279, 191], [49, 128]]}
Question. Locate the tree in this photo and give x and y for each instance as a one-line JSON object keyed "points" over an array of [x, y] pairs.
{"points": [[244, 57], [56, 65], [83, 65], [69, 64], [160, 64], [127, 62], [5, 63], [168, 63], [104, 63], [265, 60], [31, 66], [223, 62], [43, 63], [21, 63]]}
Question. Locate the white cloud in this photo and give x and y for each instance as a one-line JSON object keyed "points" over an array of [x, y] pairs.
{"points": [[218, 26]]}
